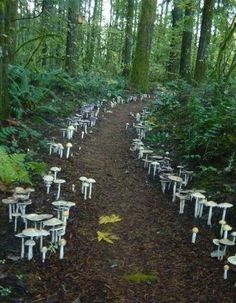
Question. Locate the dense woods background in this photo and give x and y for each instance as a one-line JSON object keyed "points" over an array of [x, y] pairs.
{"points": [[55, 54]]}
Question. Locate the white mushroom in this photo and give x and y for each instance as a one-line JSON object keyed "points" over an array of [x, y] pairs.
{"points": [[91, 182], [55, 170], [62, 244], [48, 179], [70, 132], [83, 180], [195, 230], [224, 206], [59, 182], [44, 251], [68, 146], [11, 201], [222, 223], [226, 229], [210, 204], [226, 268], [197, 196], [30, 244], [60, 149]]}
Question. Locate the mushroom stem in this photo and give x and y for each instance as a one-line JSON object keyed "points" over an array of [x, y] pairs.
{"points": [[30, 252], [194, 236], [90, 190], [61, 252], [209, 215], [226, 268], [224, 214], [22, 248], [58, 191], [68, 153], [82, 135], [85, 192]]}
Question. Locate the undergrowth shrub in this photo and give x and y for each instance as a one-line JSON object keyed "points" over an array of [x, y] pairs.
{"points": [[16, 168], [197, 125]]}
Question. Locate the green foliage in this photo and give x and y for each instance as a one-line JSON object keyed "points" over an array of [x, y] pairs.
{"points": [[198, 124], [5, 291], [15, 168]]}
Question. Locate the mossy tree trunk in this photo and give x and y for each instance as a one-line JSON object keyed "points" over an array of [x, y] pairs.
{"points": [[10, 27], [174, 58], [185, 58], [128, 37], [71, 45], [140, 66], [4, 98], [204, 41]]}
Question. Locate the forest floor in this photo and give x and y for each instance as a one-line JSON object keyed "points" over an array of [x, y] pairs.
{"points": [[153, 238]]}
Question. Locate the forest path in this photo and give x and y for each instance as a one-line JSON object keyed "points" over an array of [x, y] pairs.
{"points": [[153, 238]]}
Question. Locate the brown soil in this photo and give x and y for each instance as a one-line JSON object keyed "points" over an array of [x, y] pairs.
{"points": [[153, 238]]}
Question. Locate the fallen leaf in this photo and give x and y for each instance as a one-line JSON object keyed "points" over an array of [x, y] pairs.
{"points": [[109, 219], [107, 237]]}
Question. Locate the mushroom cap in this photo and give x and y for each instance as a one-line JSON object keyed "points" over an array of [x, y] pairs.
{"points": [[60, 146], [222, 222], [211, 203], [30, 190], [216, 242], [181, 196], [30, 243], [226, 242], [59, 181], [232, 260], [86, 184], [52, 222], [48, 178], [198, 195], [227, 227], [90, 180], [20, 190], [20, 235], [65, 213], [44, 249], [10, 200], [62, 203], [69, 144], [83, 179], [225, 205], [195, 230], [62, 242], [226, 267], [175, 178], [71, 127], [55, 169], [233, 234], [31, 232]]}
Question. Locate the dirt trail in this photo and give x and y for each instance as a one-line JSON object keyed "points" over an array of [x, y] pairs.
{"points": [[153, 238]]}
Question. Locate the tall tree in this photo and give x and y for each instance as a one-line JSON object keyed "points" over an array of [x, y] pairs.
{"points": [[128, 37], [4, 98], [173, 64], [71, 48], [204, 41], [140, 66], [185, 57]]}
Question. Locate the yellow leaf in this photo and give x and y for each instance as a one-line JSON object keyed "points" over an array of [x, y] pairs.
{"points": [[107, 237], [109, 219]]}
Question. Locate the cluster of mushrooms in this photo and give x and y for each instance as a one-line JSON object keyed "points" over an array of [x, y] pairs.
{"points": [[176, 181], [45, 232]]}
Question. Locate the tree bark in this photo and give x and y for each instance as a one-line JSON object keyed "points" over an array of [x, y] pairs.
{"points": [[71, 48], [185, 58], [128, 37], [4, 98], [140, 66], [204, 41], [173, 65]]}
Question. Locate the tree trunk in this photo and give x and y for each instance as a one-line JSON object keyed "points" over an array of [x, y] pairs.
{"points": [[185, 58], [10, 28], [140, 67], [173, 65], [204, 41], [4, 98], [128, 37], [71, 48]]}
